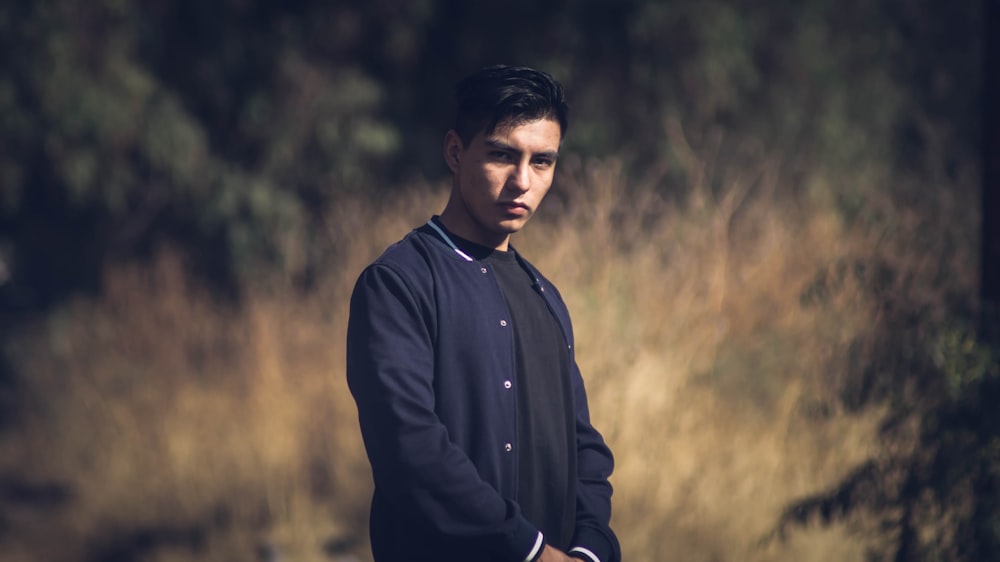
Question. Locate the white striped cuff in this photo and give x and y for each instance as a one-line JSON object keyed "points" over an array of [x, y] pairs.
{"points": [[538, 546], [586, 553]]}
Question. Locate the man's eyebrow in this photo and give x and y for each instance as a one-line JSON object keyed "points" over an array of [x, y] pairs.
{"points": [[500, 145]]}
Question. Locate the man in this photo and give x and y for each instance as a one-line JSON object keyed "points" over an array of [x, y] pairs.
{"points": [[460, 359]]}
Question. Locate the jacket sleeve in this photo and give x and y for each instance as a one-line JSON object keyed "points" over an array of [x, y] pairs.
{"points": [[593, 538], [390, 371]]}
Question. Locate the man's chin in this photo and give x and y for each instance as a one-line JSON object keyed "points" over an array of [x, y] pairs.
{"points": [[511, 226]]}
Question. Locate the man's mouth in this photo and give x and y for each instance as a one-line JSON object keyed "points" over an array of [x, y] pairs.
{"points": [[513, 208]]}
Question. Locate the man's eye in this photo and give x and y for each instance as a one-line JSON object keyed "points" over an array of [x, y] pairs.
{"points": [[500, 155], [543, 163]]}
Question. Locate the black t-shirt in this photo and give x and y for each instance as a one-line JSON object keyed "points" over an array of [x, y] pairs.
{"points": [[546, 433]]}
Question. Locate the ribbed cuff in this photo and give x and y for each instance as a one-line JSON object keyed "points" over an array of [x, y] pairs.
{"points": [[536, 551], [525, 543], [591, 545], [583, 554]]}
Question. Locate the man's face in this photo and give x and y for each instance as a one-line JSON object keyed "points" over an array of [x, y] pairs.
{"points": [[499, 180]]}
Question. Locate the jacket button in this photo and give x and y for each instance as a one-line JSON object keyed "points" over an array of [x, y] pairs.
{"points": [[503, 322], [508, 447], [483, 270], [507, 384]]}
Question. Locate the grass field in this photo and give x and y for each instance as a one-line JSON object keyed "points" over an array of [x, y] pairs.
{"points": [[716, 332]]}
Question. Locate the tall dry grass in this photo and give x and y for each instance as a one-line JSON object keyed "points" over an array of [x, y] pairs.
{"points": [[185, 428], [710, 376]]}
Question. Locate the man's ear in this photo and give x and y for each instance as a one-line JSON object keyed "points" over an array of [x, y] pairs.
{"points": [[453, 149]]}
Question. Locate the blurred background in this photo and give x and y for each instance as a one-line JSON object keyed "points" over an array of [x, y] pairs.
{"points": [[766, 223]]}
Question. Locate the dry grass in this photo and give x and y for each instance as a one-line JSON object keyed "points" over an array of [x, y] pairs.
{"points": [[709, 372], [709, 376]]}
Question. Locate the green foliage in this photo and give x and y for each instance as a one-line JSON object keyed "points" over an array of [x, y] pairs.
{"points": [[964, 361], [99, 128], [245, 121]]}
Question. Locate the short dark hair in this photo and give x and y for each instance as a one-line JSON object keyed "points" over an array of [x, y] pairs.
{"points": [[507, 95]]}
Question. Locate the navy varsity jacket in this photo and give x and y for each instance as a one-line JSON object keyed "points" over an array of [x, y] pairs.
{"points": [[430, 362]]}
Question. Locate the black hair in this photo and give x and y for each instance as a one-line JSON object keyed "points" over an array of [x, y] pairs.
{"points": [[507, 95]]}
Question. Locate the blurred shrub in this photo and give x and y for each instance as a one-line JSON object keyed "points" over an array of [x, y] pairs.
{"points": [[227, 126], [231, 129], [117, 135]]}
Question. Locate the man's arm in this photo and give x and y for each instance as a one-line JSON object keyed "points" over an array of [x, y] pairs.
{"points": [[593, 539], [390, 366]]}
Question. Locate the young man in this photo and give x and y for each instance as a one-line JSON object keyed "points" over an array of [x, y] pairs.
{"points": [[460, 359]]}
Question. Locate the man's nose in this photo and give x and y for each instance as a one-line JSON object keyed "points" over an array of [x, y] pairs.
{"points": [[520, 177]]}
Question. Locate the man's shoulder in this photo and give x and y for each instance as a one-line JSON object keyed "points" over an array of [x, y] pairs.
{"points": [[403, 251], [412, 257]]}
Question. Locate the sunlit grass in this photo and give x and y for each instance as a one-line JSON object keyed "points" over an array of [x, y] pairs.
{"points": [[712, 360]]}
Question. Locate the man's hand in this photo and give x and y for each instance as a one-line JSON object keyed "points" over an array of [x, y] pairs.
{"points": [[552, 554]]}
